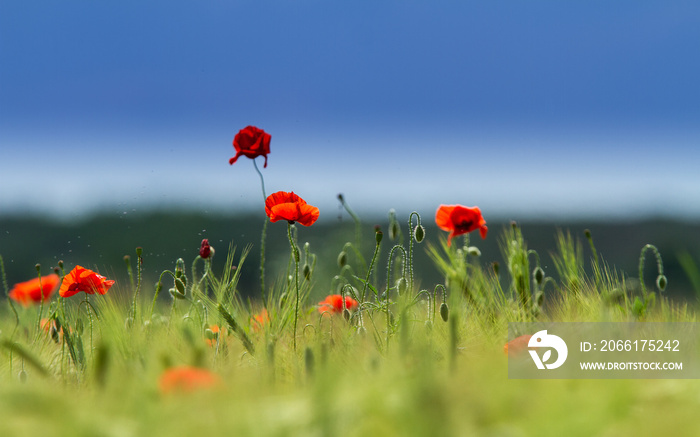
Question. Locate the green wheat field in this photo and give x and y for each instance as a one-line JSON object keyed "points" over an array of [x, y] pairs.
{"points": [[277, 325]]}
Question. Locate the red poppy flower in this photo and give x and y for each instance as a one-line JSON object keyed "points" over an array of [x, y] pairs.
{"points": [[251, 142], [187, 379], [258, 321], [34, 290], [205, 250], [288, 206], [458, 220], [517, 345], [82, 279], [334, 304]]}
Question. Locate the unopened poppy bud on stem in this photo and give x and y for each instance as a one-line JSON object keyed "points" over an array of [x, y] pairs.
{"points": [[38, 267], [378, 235], [661, 282], [539, 275], [342, 259], [419, 233], [444, 311]]}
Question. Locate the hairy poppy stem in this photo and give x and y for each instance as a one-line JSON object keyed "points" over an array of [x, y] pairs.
{"points": [[411, 237], [262, 239], [295, 255], [139, 262]]}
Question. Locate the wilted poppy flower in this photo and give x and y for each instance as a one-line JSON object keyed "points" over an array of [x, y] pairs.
{"points": [[259, 320], [334, 304], [35, 290], [82, 279], [288, 206], [187, 379], [458, 220], [251, 142], [517, 345], [205, 250]]}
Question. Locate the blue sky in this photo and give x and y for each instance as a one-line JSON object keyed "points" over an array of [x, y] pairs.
{"points": [[527, 109]]}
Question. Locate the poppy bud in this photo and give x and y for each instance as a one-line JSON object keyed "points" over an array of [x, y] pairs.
{"points": [[56, 270], [444, 311], [283, 299], [661, 282], [538, 274], [346, 314], [496, 267], [38, 268], [22, 376], [179, 267], [342, 259], [210, 335], [378, 235], [176, 294], [180, 286], [159, 287], [128, 322], [139, 251], [587, 233], [401, 285], [60, 264], [205, 249], [307, 271], [361, 331], [514, 224], [394, 230], [539, 298], [419, 233], [473, 251]]}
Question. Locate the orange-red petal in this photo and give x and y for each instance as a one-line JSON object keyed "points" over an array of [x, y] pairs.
{"points": [[290, 207], [35, 290]]}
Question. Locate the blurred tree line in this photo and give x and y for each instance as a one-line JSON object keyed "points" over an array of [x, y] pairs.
{"points": [[101, 242]]}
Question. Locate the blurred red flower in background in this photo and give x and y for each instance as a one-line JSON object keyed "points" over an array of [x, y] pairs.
{"points": [[187, 379], [458, 220], [334, 304], [34, 290]]}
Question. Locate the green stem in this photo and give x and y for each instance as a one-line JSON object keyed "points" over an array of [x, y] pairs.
{"points": [[262, 239], [295, 255], [369, 270], [411, 234], [356, 219]]}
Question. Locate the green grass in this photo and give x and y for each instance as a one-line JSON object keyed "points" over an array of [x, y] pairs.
{"points": [[395, 368]]}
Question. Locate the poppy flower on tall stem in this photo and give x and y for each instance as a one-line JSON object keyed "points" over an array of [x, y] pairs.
{"points": [[459, 220], [251, 142], [35, 290], [85, 280], [290, 207]]}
